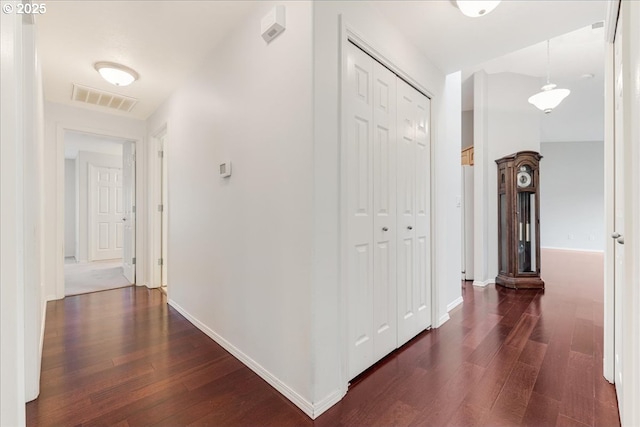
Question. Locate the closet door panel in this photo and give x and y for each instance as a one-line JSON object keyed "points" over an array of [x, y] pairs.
{"points": [[423, 216], [360, 252], [406, 211], [384, 203]]}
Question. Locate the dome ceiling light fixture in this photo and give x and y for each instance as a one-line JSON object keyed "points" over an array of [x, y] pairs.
{"points": [[476, 8], [550, 97], [116, 74]]}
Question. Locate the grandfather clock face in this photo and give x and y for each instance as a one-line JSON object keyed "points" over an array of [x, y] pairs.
{"points": [[524, 178]]}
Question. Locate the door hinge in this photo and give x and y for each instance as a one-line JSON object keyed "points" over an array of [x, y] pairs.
{"points": [[133, 261], [133, 209], [160, 261], [160, 208]]}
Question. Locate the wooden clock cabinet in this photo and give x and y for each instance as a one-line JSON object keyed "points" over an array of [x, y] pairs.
{"points": [[519, 221]]}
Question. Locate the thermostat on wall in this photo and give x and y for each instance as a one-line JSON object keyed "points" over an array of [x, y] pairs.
{"points": [[225, 169], [273, 24]]}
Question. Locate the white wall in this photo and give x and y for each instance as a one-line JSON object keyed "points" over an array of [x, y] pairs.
{"points": [[329, 345], [572, 195], [511, 125], [448, 201], [240, 248], [78, 141], [59, 119], [580, 116], [21, 216], [86, 158], [70, 194]]}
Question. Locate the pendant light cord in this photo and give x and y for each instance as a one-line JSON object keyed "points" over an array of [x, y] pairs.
{"points": [[548, 62]]}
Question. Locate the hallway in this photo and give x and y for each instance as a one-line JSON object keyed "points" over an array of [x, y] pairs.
{"points": [[124, 357]]}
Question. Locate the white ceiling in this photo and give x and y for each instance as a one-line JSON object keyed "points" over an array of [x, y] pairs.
{"points": [[572, 56], [164, 41], [455, 42]]}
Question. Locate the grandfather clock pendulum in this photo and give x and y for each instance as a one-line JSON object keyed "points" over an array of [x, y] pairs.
{"points": [[519, 221]]}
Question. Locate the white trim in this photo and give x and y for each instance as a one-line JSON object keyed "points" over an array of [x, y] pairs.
{"points": [[327, 402], [140, 191], [609, 216], [611, 21], [344, 217], [306, 406], [453, 304], [155, 198], [483, 283], [443, 319]]}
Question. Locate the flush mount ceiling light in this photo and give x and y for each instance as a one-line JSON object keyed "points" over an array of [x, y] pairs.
{"points": [[550, 97], [116, 74], [475, 8]]}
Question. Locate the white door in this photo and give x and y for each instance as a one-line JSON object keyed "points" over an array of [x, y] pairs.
{"points": [[413, 196], [372, 213], [129, 214], [106, 239], [619, 207], [384, 211]]}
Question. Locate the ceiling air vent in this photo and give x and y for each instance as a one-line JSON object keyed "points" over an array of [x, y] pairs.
{"points": [[102, 98]]}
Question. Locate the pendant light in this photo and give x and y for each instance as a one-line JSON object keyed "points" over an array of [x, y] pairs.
{"points": [[550, 97], [116, 74], [476, 8]]}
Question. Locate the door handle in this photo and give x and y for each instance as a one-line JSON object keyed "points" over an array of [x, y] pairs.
{"points": [[124, 219], [620, 240], [385, 228], [409, 227], [615, 235]]}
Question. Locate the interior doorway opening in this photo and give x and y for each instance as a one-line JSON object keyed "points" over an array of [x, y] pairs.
{"points": [[99, 212]]}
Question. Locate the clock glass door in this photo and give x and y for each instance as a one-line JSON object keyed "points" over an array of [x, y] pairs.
{"points": [[526, 216]]}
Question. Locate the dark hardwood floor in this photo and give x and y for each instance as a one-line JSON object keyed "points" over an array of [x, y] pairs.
{"points": [[506, 358]]}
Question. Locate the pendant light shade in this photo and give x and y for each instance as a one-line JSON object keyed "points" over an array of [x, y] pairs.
{"points": [[476, 8], [116, 74], [550, 97]]}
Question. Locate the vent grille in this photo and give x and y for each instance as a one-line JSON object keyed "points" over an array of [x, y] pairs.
{"points": [[102, 98]]}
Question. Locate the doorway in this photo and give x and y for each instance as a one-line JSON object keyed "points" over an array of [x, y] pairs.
{"points": [[99, 220]]}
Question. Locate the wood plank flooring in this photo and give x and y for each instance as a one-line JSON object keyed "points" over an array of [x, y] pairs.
{"points": [[506, 358]]}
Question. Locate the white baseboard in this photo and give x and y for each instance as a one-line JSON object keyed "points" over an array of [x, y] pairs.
{"points": [[453, 304], [306, 406], [443, 319], [483, 283], [326, 403]]}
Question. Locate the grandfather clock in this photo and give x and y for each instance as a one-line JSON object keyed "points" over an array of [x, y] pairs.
{"points": [[519, 221]]}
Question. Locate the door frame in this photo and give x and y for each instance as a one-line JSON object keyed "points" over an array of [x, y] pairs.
{"points": [[628, 12], [609, 161], [158, 138], [349, 35], [140, 189]]}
